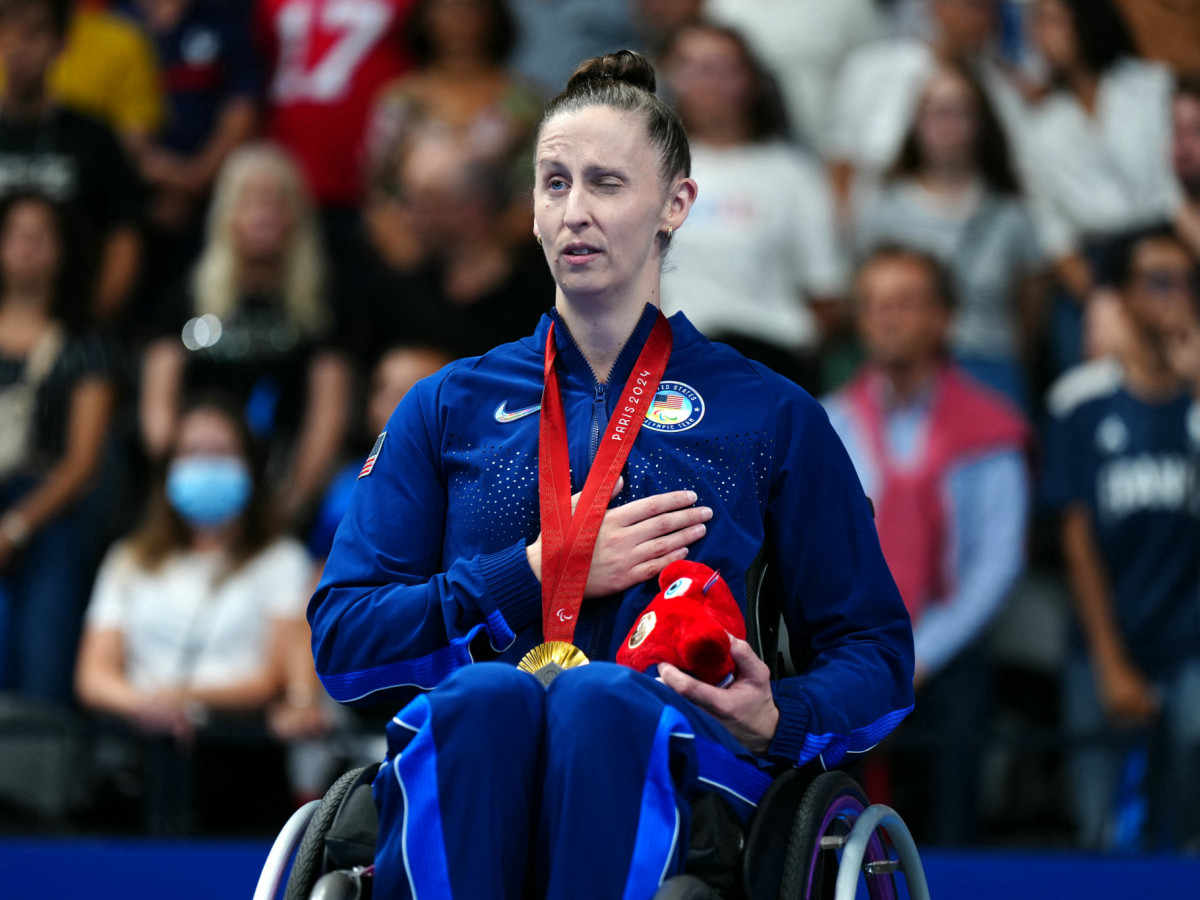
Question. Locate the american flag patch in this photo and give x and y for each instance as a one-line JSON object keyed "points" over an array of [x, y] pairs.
{"points": [[370, 463], [667, 401]]}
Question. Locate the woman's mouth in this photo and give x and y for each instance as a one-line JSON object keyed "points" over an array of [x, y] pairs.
{"points": [[579, 254]]}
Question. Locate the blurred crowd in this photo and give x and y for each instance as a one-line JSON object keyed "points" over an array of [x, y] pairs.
{"points": [[233, 233]]}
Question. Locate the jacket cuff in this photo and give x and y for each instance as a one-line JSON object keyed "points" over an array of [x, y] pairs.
{"points": [[513, 586], [792, 730]]}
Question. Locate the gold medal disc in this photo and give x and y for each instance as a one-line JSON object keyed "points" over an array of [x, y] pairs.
{"points": [[547, 661]]}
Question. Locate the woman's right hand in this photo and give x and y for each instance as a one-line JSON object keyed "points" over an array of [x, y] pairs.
{"points": [[637, 541], [1129, 699], [166, 713]]}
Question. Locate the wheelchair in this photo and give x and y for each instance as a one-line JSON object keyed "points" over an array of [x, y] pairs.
{"points": [[814, 835]]}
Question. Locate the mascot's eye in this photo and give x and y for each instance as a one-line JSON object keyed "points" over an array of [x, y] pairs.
{"points": [[678, 587]]}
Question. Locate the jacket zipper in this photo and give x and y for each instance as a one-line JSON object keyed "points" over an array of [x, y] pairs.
{"points": [[599, 420]]}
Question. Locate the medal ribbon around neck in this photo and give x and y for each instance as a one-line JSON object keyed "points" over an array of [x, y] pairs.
{"points": [[568, 540]]}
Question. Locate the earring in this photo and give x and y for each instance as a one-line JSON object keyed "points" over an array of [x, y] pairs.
{"points": [[539, 239], [670, 231]]}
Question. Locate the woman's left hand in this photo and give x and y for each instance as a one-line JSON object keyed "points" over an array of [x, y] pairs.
{"points": [[747, 707]]}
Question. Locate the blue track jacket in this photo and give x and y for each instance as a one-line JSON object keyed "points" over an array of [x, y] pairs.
{"points": [[428, 571]]}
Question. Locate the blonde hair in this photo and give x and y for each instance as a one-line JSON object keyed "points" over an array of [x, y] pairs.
{"points": [[214, 280]]}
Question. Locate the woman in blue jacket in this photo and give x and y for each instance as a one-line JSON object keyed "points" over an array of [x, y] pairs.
{"points": [[460, 548]]}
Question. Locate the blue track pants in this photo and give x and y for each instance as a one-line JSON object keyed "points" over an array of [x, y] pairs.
{"points": [[494, 787]]}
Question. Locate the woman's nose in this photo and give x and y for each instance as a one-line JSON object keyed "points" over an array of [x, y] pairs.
{"points": [[577, 213]]}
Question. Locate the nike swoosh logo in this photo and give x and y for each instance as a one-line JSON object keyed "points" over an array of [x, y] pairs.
{"points": [[502, 416]]}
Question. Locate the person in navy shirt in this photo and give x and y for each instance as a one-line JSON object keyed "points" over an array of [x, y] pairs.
{"points": [[493, 785], [1120, 469], [213, 81]]}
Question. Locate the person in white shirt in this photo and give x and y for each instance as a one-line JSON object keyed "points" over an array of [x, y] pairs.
{"points": [[758, 264], [880, 87], [1098, 147], [803, 42], [199, 615], [953, 192]]}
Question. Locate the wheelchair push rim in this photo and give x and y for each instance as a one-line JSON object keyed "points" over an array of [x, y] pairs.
{"points": [[831, 806]]}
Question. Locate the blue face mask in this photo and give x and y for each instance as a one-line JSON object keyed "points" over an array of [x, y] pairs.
{"points": [[208, 491]]}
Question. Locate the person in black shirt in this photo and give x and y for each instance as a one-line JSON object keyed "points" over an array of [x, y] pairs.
{"points": [[69, 157], [474, 288], [253, 320], [56, 398]]}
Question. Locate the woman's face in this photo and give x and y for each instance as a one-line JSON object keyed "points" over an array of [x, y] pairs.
{"points": [[29, 245], [600, 202], [458, 26], [263, 218], [207, 432], [948, 121], [708, 76], [1052, 29]]}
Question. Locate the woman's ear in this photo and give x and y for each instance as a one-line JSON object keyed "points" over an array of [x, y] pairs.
{"points": [[683, 195]]}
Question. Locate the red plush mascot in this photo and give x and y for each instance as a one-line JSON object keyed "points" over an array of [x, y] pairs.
{"points": [[688, 625]]}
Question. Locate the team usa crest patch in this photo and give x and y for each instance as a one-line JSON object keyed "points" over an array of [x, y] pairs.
{"points": [[676, 407], [370, 463]]}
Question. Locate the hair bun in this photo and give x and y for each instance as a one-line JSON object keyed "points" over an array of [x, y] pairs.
{"points": [[624, 66]]}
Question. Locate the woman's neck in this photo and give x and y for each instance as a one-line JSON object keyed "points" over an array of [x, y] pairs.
{"points": [[260, 276], [601, 330], [461, 66], [721, 130], [951, 177], [26, 302], [214, 540], [1085, 85]]}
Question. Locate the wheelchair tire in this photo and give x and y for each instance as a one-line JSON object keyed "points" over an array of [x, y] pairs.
{"points": [[310, 855], [831, 806]]}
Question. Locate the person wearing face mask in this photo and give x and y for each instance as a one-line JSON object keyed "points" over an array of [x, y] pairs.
{"points": [[198, 616]]}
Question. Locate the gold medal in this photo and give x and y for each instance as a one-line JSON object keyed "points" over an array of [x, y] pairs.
{"points": [[547, 661]]}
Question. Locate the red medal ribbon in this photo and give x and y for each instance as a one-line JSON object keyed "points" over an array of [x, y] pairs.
{"points": [[568, 540]]}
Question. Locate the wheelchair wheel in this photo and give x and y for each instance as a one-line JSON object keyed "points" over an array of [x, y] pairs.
{"points": [[310, 856], [831, 806]]}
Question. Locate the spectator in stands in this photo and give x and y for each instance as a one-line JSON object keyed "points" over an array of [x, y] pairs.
{"points": [[253, 319], [326, 64], [1185, 157], [71, 158], [1097, 145], [953, 192], [475, 288], [943, 458], [107, 70], [398, 369], [554, 35], [1121, 447], [657, 21], [461, 93], [56, 399], [212, 82], [804, 43], [880, 86], [758, 264], [199, 616]]}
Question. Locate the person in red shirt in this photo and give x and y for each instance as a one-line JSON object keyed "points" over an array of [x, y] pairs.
{"points": [[327, 60]]}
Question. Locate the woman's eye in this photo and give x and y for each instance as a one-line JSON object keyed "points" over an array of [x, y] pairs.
{"points": [[556, 184]]}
